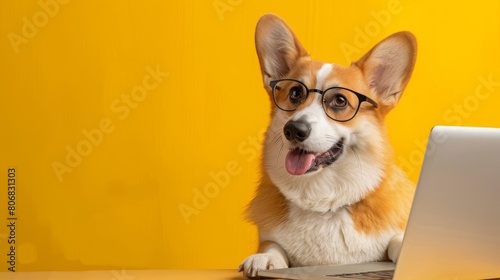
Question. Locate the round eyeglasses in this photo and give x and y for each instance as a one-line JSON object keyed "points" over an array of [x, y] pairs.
{"points": [[340, 104]]}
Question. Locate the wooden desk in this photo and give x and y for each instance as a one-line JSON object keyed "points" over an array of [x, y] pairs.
{"points": [[125, 275]]}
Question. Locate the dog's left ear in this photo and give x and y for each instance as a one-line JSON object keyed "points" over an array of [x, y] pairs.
{"points": [[387, 67]]}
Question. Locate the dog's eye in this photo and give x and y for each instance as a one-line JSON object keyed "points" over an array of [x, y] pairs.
{"points": [[339, 101], [296, 94]]}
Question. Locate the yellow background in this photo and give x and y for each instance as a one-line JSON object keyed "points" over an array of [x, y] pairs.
{"points": [[119, 207]]}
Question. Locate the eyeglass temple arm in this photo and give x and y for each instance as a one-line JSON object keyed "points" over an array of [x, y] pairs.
{"points": [[369, 100]]}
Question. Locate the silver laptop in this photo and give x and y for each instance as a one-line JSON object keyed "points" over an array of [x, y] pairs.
{"points": [[454, 227]]}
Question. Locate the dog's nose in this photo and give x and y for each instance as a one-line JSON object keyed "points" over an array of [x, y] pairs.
{"points": [[296, 131]]}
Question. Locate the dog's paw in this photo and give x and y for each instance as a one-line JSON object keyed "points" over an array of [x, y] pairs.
{"points": [[263, 261], [394, 247]]}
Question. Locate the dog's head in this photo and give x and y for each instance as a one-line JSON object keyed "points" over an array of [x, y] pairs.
{"points": [[326, 145]]}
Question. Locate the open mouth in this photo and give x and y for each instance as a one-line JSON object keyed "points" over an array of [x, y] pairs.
{"points": [[299, 161]]}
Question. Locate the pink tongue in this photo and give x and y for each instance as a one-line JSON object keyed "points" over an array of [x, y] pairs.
{"points": [[298, 162]]}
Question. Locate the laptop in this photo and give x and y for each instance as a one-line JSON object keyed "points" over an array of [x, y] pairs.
{"points": [[453, 231]]}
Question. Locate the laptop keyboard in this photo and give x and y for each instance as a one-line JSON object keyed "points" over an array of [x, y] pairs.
{"points": [[374, 275]]}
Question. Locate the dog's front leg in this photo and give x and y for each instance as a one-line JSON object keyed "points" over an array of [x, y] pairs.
{"points": [[394, 247], [270, 256]]}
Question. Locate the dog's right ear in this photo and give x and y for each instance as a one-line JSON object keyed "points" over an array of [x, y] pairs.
{"points": [[277, 47]]}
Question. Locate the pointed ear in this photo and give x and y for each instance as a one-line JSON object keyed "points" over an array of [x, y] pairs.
{"points": [[277, 47], [387, 67]]}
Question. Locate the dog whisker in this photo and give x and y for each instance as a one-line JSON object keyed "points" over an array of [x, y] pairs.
{"points": [[279, 152], [276, 137], [331, 138]]}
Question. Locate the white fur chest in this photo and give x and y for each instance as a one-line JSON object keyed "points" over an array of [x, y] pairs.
{"points": [[313, 238]]}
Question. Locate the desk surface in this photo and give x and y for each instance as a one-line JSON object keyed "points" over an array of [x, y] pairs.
{"points": [[125, 275]]}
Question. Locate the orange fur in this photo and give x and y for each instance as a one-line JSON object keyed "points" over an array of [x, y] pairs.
{"points": [[387, 205], [269, 207]]}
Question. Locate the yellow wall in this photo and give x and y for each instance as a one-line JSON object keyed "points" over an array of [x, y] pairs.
{"points": [[164, 101]]}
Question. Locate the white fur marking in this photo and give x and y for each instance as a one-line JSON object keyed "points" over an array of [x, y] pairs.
{"points": [[322, 74], [311, 238]]}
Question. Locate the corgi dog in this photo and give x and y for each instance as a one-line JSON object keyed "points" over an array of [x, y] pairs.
{"points": [[330, 191]]}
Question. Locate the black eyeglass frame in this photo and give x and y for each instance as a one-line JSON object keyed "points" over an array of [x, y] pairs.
{"points": [[362, 98]]}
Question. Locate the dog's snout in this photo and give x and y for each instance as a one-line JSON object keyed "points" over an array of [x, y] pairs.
{"points": [[296, 131]]}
